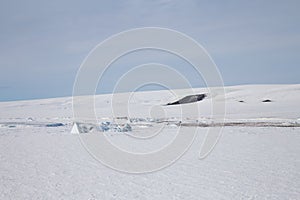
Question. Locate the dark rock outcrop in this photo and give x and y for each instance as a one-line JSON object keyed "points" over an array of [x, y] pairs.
{"points": [[188, 99]]}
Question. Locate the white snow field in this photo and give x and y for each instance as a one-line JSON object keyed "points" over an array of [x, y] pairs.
{"points": [[257, 156]]}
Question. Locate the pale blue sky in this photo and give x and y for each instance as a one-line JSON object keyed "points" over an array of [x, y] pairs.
{"points": [[44, 42]]}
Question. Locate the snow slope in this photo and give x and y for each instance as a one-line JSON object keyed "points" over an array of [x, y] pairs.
{"points": [[41, 159]]}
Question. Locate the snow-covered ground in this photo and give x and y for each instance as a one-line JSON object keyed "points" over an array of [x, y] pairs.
{"points": [[257, 157]]}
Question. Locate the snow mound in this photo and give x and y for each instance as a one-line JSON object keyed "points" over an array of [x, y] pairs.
{"points": [[103, 127], [108, 126]]}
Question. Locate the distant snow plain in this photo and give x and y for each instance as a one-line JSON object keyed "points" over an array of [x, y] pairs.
{"points": [[257, 156]]}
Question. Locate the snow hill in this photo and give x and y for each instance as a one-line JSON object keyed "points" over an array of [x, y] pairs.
{"points": [[257, 156]]}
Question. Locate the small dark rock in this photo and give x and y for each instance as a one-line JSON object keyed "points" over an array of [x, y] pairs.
{"points": [[54, 125], [188, 99], [266, 101]]}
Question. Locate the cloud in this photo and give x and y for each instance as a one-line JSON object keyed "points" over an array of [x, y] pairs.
{"points": [[43, 41]]}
